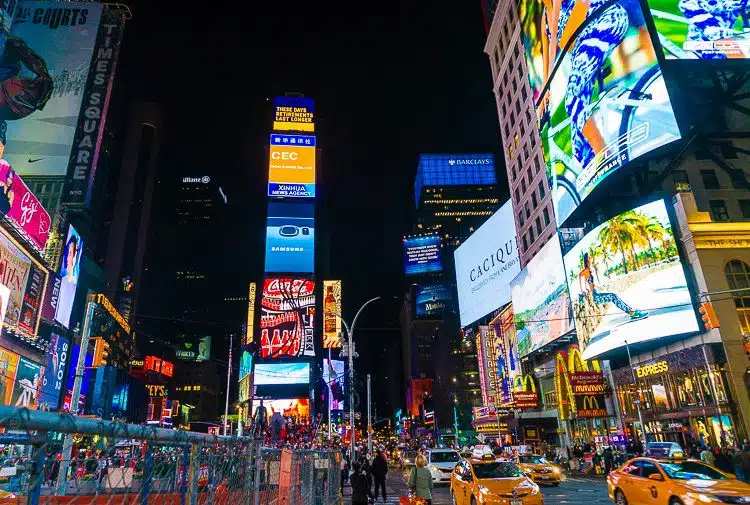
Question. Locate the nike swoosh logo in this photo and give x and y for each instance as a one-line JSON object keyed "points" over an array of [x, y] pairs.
{"points": [[34, 161]]}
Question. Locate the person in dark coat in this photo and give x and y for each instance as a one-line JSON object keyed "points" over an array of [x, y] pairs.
{"points": [[379, 470], [360, 486]]}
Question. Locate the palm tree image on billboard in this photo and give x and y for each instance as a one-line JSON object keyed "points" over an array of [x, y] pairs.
{"points": [[627, 282]]}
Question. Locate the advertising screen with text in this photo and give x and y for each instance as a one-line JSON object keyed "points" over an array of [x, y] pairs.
{"points": [[422, 255]]}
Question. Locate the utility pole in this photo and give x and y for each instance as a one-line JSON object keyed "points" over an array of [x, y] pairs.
{"points": [[330, 392], [229, 378], [369, 416]]}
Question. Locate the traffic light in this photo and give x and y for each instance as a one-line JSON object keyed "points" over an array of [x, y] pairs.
{"points": [[101, 352], [708, 315]]}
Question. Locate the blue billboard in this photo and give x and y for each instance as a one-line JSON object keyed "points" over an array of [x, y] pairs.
{"points": [[454, 170], [290, 238], [246, 364], [54, 371], [433, 300], [422, 255], [281, 373]]}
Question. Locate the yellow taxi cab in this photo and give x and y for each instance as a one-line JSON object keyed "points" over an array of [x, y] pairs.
{"points": [[539, 469], [676, 481], [484, 480]]}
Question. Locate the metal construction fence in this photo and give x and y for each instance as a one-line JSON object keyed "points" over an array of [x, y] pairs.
{"points": [[119, 463]]}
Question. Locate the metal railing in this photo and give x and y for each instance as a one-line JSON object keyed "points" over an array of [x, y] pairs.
{"points": [[141, 465]]}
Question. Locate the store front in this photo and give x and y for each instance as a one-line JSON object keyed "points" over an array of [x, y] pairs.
{"points": [[680, 398]]}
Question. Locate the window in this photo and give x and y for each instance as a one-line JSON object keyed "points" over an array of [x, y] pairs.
{"points": [[528, 211], [515, 140], [507, 129], [520, 218], [737, 273], [529, 175], [531, 235], [525, 244], [546, 217], [710, 181], [718, 210], [541, 189], [647, 468], [538, 226], [518, 198], [523, 185], [738, 179], [515, 49], [523, 93], [745, 208], [518, 107], [534, 203]]}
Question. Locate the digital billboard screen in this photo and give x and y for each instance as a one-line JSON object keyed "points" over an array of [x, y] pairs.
{"points": [[298, 408], [50, 50], [291, 113], [701, 29], [54, 372], [331, 314], [287, 317], [541, 302], [290, 238], [432, 300], [22, 208], [422, 255], [291, 166], [600, 95], [485, 264], [281, 373], [250, 325], [8, 368], [28, 384], [25, 279], [246, 364], [70, 269], [334, 377], [627, 282]]}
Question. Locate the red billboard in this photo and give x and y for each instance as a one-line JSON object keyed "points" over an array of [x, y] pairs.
{"points": [[287, 317], [22, 208]]}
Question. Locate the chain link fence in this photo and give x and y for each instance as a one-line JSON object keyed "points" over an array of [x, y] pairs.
{"points": [[119, 463]]}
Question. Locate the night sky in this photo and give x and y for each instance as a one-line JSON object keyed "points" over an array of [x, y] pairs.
{"points": [[389, 80]]}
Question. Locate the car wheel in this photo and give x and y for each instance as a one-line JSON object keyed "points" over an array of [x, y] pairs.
{"points": [[473, 501], [675, 501], [620, 498]]}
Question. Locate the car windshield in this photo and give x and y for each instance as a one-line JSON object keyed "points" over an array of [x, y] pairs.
{"points": [[534, 460], [497, 471], [410, 454], [444, 457], [685, 470]]}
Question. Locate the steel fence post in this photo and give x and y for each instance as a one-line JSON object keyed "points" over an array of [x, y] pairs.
{"points": [[313, 481], [193, 470], [183, 477], [258, 474], [36, 475], [147, 474], [250, 478]]}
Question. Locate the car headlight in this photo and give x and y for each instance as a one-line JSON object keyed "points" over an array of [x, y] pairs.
{"points": [[702, 497], [535, 489], [484, 489], [434, 468]]}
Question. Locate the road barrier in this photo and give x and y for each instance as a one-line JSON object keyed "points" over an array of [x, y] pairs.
{"points": [[120, 463]]}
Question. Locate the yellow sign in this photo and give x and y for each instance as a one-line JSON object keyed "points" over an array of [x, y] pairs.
{"points": [[331, 314], [156, 390], [293, 114], [250, 314], [104, 302], [291, 163], [657, 368]]}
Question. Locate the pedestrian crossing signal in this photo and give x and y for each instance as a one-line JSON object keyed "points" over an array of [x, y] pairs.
{"points": [[708, 315]]}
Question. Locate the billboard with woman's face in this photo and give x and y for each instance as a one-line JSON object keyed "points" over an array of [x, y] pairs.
{"points": [[69, 271]]}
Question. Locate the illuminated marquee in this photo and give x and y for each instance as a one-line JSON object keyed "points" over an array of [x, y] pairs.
{"points": [[156, 390], [331, 314], [250, 328], [104, 302], [293, 114], [657, 368], [291, 166]]}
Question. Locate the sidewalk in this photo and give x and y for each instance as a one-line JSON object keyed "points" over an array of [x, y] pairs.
{"points": [[395, 487]]}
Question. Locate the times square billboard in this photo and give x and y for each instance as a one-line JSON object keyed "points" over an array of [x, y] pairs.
{"points": [[291, 166], [287, 317]]}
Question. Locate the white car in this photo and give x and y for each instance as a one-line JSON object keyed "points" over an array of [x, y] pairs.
{"points": [[441, 463]]}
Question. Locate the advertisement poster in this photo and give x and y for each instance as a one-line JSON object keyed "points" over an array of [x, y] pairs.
{"points": [[333, 376], [702, 29], [485, 264], [14, 273], [540, 300], [290, 238], [281, 373], [489, 345], [482, 367], [245, 388], [22, 208], [422, 255], [503, 385], [4, 299], [627, 282], [51, 47], [54, 372], [8, 369], [70, 269], [432, 300], [246, 364], [28, 384], [287, 317], [250, 326], [331, 314], [600, 95], [292, 113], [297, 407], [32, 299], [291, 166], [510, 344]]}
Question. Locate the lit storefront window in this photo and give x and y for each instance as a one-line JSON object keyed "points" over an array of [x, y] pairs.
{"points": [[738, 277]]}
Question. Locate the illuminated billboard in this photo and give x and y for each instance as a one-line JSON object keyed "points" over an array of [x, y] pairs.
{"points": [[54, 372], [8, 368], [331, 314], [48, 56], [291, 166], [291, 113], [422, 254], [627, 282], [246, 364], [334, 377], [250, 326], [600, 95], [281, 373], [70, 269], [25, 278], [432, 300], [540, 300], [297, 407], [287, 317], [509, 365], [290, 238], [193, 349], [701, 29], [22, 209], [28, 384], [485, 264]]}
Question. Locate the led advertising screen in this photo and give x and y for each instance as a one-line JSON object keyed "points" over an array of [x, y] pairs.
{"points": [[54, 372], [291, 113], [627, 282], [331, 314], [250, 325], [28, 384], [70, 269], [600, 95], [540, 300], [485, 264], [334, 377], [422, 255], [702, 29], [432, 300], [290, 238], [510, 368], [246, 364], [20, 273], [8, 368], [287, 318], [281, 373], [298, 408], [22, 209], [291, 166], [48, 56]]}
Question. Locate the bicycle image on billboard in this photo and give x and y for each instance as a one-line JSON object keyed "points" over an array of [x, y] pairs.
{"points": [[599, 91]]}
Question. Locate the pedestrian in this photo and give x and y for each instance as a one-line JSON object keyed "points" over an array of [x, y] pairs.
{"points": [[420, 480], [745, 462], [607, 456], [360, 486], [707, 456], [379, 472], [344, 470], [724, 461]]}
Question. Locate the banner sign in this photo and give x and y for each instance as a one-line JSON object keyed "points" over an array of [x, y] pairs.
{"points": [[587, 383], [526, 399], [590, 406], [22, 208]]}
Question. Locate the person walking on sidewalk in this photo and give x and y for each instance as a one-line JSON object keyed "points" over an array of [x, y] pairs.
{"points": [[360, 486], [379, 470], [420, 480]]}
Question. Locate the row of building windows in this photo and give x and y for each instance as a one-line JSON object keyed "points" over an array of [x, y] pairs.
{"points": [[710, 179]]}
